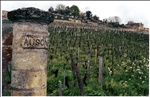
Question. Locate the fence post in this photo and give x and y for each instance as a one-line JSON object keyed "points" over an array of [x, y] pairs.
{"points": [[100, 70], [95, 55], [88, 65], [78, 52], [29, 56], [60, 88], [79, 78], [64, 75]]}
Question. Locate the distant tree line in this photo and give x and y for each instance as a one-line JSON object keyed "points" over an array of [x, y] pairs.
{"points": [[75, 13]]}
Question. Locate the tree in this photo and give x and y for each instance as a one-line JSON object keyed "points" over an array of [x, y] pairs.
{"points": [[60, 7], [51, 9], [67, 11], [95, 17], [89, 15], [82, 15], [130, 22], [74, 11], [115, 19]]}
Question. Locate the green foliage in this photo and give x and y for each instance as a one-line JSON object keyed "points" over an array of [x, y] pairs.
{"points": [[6, 93], [89, 15], [125, 62], [6, 88], [74, 11]]}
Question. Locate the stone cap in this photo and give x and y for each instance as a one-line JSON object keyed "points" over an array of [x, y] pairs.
{"points": [[30, 14]]}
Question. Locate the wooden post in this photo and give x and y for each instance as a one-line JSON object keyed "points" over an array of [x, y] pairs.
{"points": [[80, 83], [95, 55], [60, 88], [88, 65], [78, 52], [72, 65], [100, 71], [29, 56], [64, 75]]}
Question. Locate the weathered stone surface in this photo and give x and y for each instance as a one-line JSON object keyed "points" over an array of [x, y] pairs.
{"points": [[24, 60], [24, 27], [30, 14], [40, 92], [29, 64], [28, 80]]}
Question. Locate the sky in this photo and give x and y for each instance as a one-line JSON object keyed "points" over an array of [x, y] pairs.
{"points": [[137, 11]]}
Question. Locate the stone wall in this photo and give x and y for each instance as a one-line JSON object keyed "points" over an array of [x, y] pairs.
{"points": [[7, 26]]}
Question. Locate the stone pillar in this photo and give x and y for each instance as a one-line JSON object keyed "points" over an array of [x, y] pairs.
{"points": [[29, 55]]}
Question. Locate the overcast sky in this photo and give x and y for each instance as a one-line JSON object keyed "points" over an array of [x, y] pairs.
{"points": [[137, 11]]}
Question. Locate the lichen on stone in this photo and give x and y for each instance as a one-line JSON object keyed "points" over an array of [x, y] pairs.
{"points": [[30, 14]]}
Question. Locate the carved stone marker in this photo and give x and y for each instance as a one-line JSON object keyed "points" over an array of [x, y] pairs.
{"points": [[29, 56]]}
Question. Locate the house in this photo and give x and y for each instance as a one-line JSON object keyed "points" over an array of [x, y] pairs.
{"points": [[138, 26]]}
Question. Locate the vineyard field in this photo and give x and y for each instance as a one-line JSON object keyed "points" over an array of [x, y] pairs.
{"points": [[125, 65]]}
